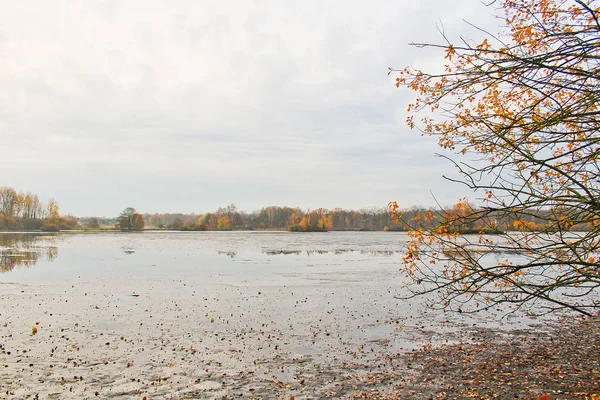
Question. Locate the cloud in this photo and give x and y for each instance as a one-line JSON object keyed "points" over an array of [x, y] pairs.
{"points": [[187, 106]]}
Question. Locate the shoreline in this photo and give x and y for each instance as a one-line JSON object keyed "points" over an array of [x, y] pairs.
{"points": [[561, 361], [79, 350]]}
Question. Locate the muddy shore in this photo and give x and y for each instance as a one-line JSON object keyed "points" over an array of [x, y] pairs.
{"points": [[207, 316], [82, 343], [559, 360]]}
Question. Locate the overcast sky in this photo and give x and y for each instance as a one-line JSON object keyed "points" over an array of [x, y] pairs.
{"points": [[185, 106]]}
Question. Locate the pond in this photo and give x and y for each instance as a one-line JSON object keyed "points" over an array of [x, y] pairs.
{"points": [[210, 314]]}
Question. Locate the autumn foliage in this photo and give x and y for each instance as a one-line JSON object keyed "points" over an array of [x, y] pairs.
{"points": [[521, 111], [25, 211], [277, 218], [314, 221]]}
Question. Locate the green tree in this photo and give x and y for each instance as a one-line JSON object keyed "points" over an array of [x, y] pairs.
{"points": [[130, 220]]}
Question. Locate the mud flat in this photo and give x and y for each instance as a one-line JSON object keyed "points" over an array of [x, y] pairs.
{"points": [[211, 317], [560, 360]]}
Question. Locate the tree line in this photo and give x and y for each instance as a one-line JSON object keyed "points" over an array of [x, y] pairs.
{"points": [[274, 218], [25, 211], [451, 219]]}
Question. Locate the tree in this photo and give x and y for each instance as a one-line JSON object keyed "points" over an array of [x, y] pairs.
{"points": [[177, 223], [130, 220], [138, 222], [522, 112], [53, 221], [211, 221], [200, 225], [92, 223], [292, 220], [303, 224], [8, 201], [68, 222], [234, 216], [325, 223], [224, 223]]}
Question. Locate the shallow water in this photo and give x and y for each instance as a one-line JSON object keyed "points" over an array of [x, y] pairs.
{"points": [[209, 314]]}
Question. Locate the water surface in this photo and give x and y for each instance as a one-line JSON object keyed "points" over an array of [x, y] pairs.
{"points": [[210, 314]]}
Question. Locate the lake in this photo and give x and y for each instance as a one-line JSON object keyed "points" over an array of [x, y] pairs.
{"points": [[211, 314]]}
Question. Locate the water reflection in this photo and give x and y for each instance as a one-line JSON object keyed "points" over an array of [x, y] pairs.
{"points": [[18, 240], [18, 250]]}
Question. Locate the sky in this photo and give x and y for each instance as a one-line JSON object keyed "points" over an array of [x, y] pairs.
{"points": [[186, 106]]}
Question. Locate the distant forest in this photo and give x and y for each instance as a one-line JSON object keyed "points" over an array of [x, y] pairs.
{"points": [[25, 211], [268, 218], [276, 218], [368, 219]]}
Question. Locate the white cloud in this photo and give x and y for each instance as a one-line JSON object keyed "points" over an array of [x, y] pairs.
{"points": [[191, 105]]}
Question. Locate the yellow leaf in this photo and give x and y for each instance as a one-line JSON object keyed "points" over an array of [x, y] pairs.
{"points": [[450, 52]]}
